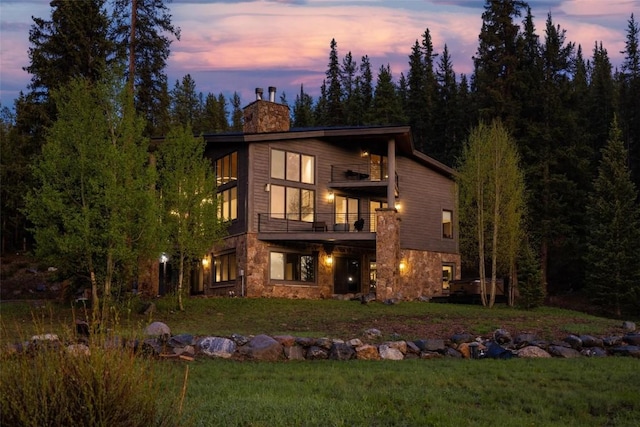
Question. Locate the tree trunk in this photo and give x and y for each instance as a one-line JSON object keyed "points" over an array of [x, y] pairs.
{"points": [[180, 278]]}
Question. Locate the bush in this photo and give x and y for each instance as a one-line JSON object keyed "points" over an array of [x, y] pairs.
{"points": [[51, 386]]}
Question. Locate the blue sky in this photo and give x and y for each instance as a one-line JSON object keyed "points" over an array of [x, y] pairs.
{"points": [[230, 46]]}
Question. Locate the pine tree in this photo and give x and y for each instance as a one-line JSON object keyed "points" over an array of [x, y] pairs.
{"points": [[335, 107], [185, 105], [386, 103], [142, 29], [629, 84], [601, 99], [613, 274], [415, 97], [365, 89], [303, 110], [236, 114], [447, 133], [349, 87]]}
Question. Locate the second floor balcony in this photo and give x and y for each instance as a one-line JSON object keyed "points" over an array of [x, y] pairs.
{"points": [[364, 177]]}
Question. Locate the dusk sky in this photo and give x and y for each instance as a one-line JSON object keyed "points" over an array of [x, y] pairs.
{"points": [[230, 46]]}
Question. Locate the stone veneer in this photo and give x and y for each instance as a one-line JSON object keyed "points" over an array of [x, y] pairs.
{"points": [[387, 253], [265, 116]]}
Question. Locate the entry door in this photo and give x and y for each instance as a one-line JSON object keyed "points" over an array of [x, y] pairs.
{"points": [[346, 275]]}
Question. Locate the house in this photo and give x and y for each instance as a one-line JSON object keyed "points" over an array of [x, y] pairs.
{"points": [[316, 213]]}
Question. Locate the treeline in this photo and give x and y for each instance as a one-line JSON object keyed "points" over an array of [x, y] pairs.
{"points": [[557, 103]]}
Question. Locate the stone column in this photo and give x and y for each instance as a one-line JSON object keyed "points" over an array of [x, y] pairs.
{"points": [[387, 253]]}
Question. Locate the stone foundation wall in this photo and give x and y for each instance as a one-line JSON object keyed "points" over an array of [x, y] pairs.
{"points": [[422, 276]]}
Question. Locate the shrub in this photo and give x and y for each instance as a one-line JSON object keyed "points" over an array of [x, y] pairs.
{"points": [[50, 385]]}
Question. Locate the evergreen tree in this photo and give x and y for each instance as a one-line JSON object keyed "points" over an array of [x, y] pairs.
{"points": [[185, 105], [429, 96], [613, 268], [236, 114], [365, 90], [303, 110], [386, 103], [142, 29], [629, 83], [335, 107], [321, 112], [601, 99], [415, 97], [496, 61], [447, 133], [349, 87]]}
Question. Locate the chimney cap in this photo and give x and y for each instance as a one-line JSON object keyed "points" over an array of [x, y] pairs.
{"points": [[259, 93]]}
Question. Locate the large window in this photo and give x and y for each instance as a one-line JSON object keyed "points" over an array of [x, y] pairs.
{"points": [[228, 204], [448, 271], [292, 267], [224, 268], [292, 203], [227, 169], [378, 166], [292, 166], [346, 210], [373, 205], [447, 224]]}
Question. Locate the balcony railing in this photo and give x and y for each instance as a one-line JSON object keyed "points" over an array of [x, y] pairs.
{"points": [[362, 173], [313, 223]]}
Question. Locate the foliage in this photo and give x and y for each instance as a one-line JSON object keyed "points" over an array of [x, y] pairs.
{"points": [[492, 204], [189, 199], [613, 275], [109, 386], [93, 211], [530, 286]]}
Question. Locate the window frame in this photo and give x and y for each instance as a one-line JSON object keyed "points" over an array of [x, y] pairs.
{"points": [[224, 263], [444, 230], [291, 166], [295, 275]]}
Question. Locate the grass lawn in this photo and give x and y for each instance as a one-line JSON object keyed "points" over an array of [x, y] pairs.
{"points": [[442, 392]]}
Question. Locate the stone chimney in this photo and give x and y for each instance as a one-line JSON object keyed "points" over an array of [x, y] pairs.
{"points": [[266, 116]]}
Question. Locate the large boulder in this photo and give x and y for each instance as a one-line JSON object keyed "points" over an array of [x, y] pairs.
{"points": [[158, 329], [341, 351], [367, 352], [431, 345], [390, 353], [564, 352], [263, 347], [217, 347], [533, 352]]}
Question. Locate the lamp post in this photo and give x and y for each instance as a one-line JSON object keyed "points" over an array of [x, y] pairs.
{"points": [[164, 258]]}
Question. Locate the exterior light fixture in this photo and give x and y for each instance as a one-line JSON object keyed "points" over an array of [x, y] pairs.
{"points": [[364, 153], [205, 262], [329, 260], [164, 258], [397, 205], [403, 266], [330, 196]]}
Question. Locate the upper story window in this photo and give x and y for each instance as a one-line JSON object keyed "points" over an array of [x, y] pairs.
{"points": [[447, 224], [346, 210], [228, 204], [292, 203], [373, 219], [378, 165], [292, 166], [227, 169]]}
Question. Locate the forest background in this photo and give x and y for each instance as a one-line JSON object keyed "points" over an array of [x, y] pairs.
{"points": [[557, 101]]}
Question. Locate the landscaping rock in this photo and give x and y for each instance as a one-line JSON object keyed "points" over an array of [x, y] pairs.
{"points": [[626, 350], [367, 352], [430, 355], [217, 347], [263, 347], [524, 339], [412, 348], [294, 352], [564, 352], [612, 341], [317, 353], [452, 352], [589, 341], [356, 342], [240, 340], [325, 343], [431, 345], [79, 350], [628, 326], [533, 352], [401, 346], [460, 338], [593, 352], [496, 351], [341, 351], [158, 329], [501, 336], [285, 340], [372, 333], [574, 341], [389, 353], [632, 339], [181, 340]]}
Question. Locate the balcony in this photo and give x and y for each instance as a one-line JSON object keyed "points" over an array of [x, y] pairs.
{"points": [[366, 178], [321, 227]]}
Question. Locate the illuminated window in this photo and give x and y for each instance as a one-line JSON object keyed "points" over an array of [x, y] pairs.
{"points": [[447, 224], [373, 205], [228, 204], [224, 267], [291, 166], [447, 275], [227, 169], [292, 267], [292, 203], [346, 210]]}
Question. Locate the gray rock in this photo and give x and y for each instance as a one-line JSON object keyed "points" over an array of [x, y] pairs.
{"points": [[612, 341], [524, 339], [305, 341], [452, 352], [181, 340], [460, 338], [240, 340], [431, 345], [390, 353], [593, 352], [628, 326], [427, 355], [317, 353], [632, 339], [325, 343], [574, 341], [341, 351], [356, 342], [294, 352], [152, 347], [79, 350], [626, 350], [564, 352], [158, 329], [532, 352], [589, 341], [502, 336], [372, 333], [263, 347], [217, 347], [412, 348]]}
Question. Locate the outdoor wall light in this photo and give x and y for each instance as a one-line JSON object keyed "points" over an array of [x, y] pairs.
{"points": [[403, 266], [267, 187], [330, 196], [397, 205], [364, 153], [329, 260], [164, 258], [205, 262]]}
